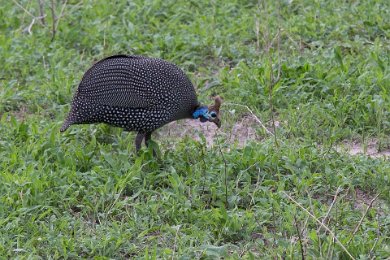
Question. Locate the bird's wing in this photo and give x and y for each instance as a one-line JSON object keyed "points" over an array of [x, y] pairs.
{"points": [[123, 81]]}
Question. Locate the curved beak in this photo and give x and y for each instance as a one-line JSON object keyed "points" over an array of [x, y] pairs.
{"points": [[217, 122]]}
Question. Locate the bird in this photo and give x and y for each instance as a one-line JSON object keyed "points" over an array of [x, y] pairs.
{"points": [[137, 93]]}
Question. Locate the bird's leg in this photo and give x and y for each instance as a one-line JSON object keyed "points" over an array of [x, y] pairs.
{"points": [[148, 137], [138, 141]]}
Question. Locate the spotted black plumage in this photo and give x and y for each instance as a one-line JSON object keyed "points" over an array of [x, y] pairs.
{"points": [[136, 93]]}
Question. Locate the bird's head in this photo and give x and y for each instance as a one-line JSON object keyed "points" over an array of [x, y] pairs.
{"points": [[209, 113]]}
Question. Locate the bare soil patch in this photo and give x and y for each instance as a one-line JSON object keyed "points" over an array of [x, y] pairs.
{"points": [[371, 148], [21, 114], [242, 132], [362, 200]]}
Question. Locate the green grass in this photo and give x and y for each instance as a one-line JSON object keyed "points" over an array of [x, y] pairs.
{"points": [[85, 193]]}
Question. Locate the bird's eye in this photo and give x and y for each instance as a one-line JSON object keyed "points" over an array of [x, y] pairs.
{"points": [[213, 114]]}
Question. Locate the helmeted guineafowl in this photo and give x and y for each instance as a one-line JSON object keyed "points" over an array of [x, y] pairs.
{"points": [[138, 94]]}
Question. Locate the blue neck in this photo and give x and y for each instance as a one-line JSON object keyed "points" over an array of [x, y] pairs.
{"points": [[201, 112]]}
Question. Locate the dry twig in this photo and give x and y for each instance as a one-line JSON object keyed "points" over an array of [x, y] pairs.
{"points": [[362, 218], [35, 18], [54, 18], [61, 13], [319, 222], [41, 12], [273, 79], [24, 9], [28, 28], [253, 115], [378, 233], [330, 208], [175, 243], [299, 237], [225, 171]]}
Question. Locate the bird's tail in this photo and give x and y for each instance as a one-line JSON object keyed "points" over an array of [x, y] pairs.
{"points": [[70, 120], [65, 126]]}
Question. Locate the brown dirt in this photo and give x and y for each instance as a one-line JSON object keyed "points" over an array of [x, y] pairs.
{"points": [[190, 128], [21, 114], [241, 132], [370, 149], [361, 200], [244, 131]]}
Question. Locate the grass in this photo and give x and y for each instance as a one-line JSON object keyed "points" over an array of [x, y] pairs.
{"points": [[293, 195]]}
